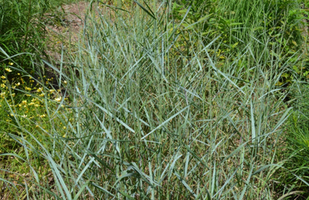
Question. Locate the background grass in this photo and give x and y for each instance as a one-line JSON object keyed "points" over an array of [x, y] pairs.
{"points": [[163, 100]]}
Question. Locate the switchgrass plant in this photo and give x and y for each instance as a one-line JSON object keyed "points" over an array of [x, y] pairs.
{"points": [[152, 119]]}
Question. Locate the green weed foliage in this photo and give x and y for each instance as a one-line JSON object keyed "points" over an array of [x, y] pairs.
{"points": [[160, 100], [298, 142], [262, 24], [23, 30]]}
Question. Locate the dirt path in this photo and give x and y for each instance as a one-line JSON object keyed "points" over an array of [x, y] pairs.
{"points": [[65, 28]]}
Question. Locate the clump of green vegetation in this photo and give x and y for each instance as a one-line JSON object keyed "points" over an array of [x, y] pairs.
{"points": [[25, 104], [297, 145], [23, 30], [275, 26], [163, 100]]}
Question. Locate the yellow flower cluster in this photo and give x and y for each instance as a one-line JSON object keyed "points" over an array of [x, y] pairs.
{"points": [[33, 93], [27, 100]]}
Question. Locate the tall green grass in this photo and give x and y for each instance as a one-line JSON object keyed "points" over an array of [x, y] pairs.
{"points": [[297, 144], [23, 29], [154, 112]]}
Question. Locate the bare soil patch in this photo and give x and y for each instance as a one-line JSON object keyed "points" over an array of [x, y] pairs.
{"points": [[64, 30]]}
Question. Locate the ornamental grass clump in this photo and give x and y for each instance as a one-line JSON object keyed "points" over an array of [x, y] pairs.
{"points": [[148, 117]]}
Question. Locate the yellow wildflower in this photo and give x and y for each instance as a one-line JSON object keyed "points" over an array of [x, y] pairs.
{"points": [[58, 99], [8, 70], [27, 88], [10, 63], [2, 85], [3, 77], [39, 90]]}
